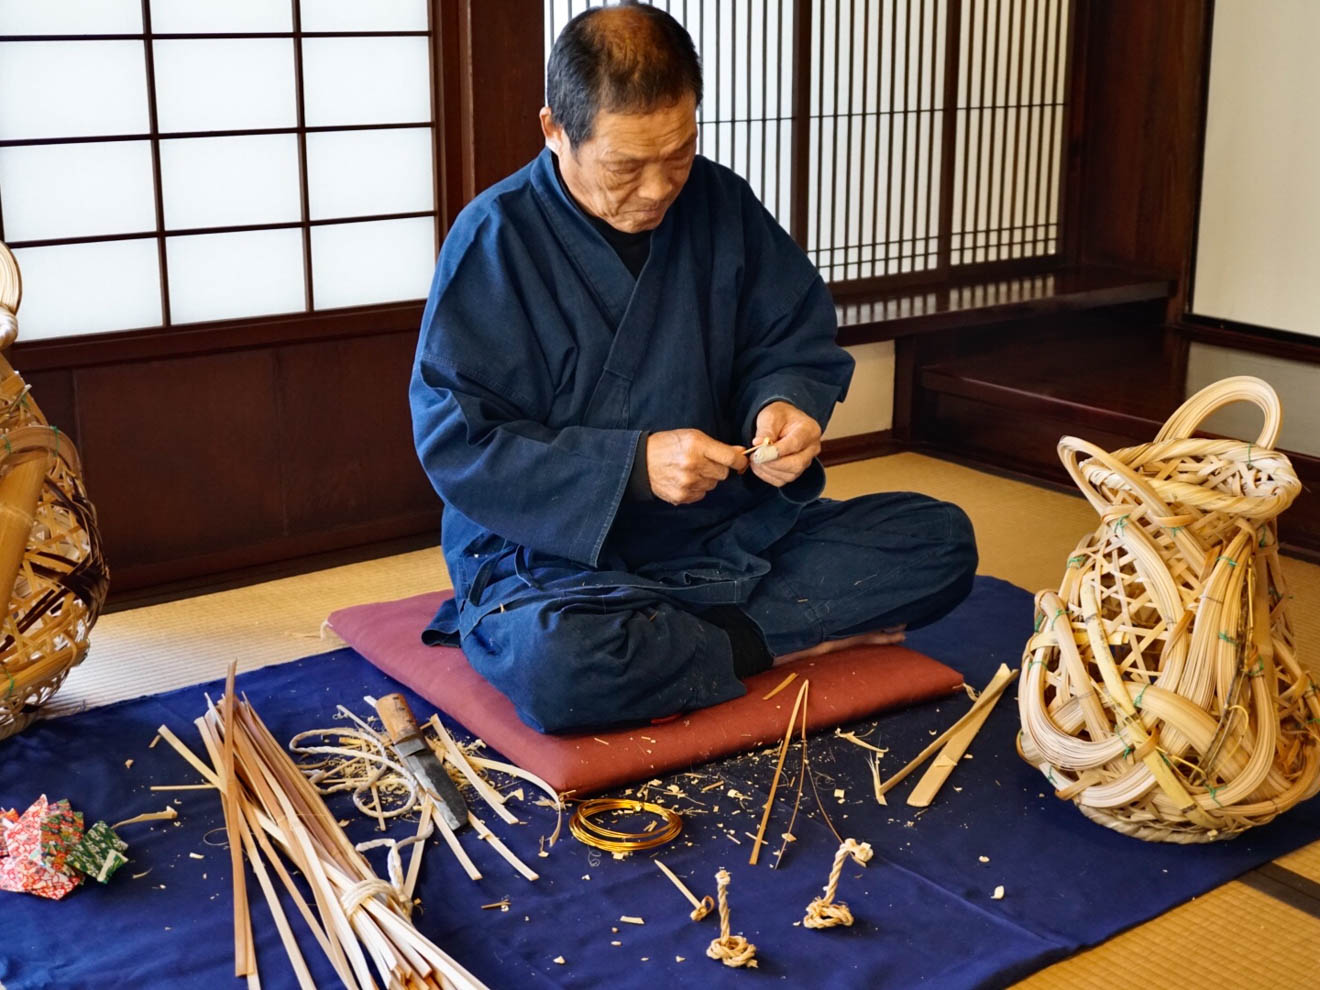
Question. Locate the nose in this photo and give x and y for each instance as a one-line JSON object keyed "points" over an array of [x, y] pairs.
{"points": [[656, 186]]}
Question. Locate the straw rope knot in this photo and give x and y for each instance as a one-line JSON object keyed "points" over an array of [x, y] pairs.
{"points": [[824, 912], [732, 950], [706, 906], [364, 890]]}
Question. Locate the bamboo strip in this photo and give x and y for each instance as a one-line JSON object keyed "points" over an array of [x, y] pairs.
{"points": [[244, 961], [480, 827], [415, 863], [451, 840], [774, 783], [449, 749], [267, 888], [988, 697], [947, 758], [780, 686]]}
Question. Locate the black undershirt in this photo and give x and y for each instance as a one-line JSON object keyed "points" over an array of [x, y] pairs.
{"points": [[632, 249]]}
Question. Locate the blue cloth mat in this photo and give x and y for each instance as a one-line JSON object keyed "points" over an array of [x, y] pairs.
{"points": [[925, 914]]}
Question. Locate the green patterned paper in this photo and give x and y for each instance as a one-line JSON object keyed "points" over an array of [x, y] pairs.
{"points": [[100, 853]]}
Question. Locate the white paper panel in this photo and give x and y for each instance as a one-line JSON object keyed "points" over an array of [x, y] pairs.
{"points": [[366, 80], [1295, 381], [217, 16], [383, 261], [222, 85], [1257, 252], [86, 288], [70, 17], [354, 15], [228, 181], [77, 190], [356, 173], [72, 88], [220, 276]]}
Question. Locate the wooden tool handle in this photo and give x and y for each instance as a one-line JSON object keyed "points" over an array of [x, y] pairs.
{"points": [[397, 717]]}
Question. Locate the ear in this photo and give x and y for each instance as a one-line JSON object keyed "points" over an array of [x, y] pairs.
{"points": [[555, 138]]}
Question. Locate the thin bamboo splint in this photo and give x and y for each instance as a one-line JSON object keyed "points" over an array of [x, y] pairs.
{"points": [[53, 576], [1161, 691]]}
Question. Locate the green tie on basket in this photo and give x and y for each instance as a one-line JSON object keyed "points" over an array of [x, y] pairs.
{"points": [[53, 576], [1161, 692]]}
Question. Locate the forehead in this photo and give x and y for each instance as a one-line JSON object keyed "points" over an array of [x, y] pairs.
{"points": [[663, 131]]}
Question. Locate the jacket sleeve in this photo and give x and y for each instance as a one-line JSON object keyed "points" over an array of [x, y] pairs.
{"points": [[786, 329], [480, 395]]}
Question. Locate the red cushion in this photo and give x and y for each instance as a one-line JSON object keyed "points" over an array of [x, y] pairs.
{"points": [[845, 686]]}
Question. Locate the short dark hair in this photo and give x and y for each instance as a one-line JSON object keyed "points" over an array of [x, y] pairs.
{"points": [[628, 58]]}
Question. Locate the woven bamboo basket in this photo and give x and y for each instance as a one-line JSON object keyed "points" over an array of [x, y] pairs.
{"points": [[1161, 691], [52, 572]]}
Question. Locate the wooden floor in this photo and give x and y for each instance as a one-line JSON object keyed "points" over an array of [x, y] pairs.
{"points": [[1233, 937]]}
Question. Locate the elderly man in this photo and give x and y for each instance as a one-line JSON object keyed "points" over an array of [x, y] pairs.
{"points": [[608, 330]]}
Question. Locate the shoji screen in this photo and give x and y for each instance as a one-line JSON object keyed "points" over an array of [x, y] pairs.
{"points": [[175, 161], [888, 182], [1258, 243]]}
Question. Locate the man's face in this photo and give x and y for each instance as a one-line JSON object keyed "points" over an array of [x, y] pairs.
{"points": [[632, 168]]}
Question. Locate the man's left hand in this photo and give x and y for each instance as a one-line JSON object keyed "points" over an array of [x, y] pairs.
{"points": [[795, 435]]}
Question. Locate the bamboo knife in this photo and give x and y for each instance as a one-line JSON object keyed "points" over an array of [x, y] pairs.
{"points": [[409, 744]]}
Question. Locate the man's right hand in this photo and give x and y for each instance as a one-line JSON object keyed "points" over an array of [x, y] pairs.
{"points": [[685, 464]]}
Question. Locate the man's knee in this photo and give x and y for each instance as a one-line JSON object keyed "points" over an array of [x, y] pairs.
{"points": [[569, 668], [960, 544]]}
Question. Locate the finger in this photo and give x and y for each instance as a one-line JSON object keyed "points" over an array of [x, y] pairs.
{"points": [[725, 455], [713, 470], [801, 434], [784, 470]]}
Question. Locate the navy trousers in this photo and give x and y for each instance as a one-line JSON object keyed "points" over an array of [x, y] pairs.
{"points": [[570, 660]]}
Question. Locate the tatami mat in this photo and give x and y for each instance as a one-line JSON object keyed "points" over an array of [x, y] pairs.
{"points": [[160, 647], [1234, 937]]}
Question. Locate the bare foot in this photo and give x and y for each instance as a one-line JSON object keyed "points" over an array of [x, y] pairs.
{"points": [[885, 637]]}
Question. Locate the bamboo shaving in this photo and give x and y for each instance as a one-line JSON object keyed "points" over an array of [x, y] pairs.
{"points": [[169, 814]]}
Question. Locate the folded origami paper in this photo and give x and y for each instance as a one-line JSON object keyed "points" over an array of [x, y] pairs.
{"points": [[99, 854], [42, 835]]}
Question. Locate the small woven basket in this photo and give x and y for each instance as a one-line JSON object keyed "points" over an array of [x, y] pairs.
{"points": [[1161, 691], [52, 573]]}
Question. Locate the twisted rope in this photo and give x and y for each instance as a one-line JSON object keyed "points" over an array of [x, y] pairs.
{"points": [[732, 950], [364, 890], [704, 908], [823, 912]]}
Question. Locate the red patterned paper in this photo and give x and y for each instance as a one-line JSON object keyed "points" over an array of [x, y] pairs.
{"points": [[24, 868], [7, 819]]}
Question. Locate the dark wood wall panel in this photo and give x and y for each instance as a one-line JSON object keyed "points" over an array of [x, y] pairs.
{"points": [[1144, 80], [346, 432], [502, 88], [182, 454]]}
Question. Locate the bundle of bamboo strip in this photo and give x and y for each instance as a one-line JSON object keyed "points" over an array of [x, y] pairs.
{"points": [[360, 921], [53, 577], [1161, 691]]}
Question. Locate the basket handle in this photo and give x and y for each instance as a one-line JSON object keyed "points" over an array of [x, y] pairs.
{"points": [[1242, 388]]}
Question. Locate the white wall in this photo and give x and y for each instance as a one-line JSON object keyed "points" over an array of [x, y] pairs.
{"points": [[1258, 248], [1294, 381], [870, 403]]}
